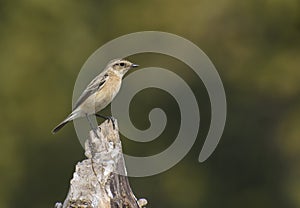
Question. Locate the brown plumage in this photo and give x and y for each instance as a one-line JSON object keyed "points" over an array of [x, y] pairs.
{"points": [[100, 91]]}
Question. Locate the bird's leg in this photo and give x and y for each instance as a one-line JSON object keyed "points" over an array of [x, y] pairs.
{"points": [[91, 125], [109, 118]]}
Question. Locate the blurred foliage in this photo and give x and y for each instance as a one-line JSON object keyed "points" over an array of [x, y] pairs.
{"points": [[255, 46]]}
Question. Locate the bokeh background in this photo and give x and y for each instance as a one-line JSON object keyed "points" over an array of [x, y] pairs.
{"points": [[255, 45]]}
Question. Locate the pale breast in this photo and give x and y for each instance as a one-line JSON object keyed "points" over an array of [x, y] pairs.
{"points": [[108, 92], [103, 97]]}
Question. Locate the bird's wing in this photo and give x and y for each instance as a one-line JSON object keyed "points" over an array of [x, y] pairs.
{"points": [[96, 84]]}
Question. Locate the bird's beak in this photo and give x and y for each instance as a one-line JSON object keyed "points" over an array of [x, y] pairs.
{"points": [[134, 65]]}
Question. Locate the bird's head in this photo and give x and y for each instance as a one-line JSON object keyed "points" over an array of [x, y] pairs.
{"points": [[121, 66]]}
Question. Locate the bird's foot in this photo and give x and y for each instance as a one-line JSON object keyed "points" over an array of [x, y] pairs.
{"points": [[112, 119], [109, 118]]}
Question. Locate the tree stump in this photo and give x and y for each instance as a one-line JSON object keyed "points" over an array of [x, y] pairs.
{"points": [[100, 181]]}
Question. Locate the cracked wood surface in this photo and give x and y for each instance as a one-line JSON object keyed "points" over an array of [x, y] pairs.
{"points": [[100, 180]]}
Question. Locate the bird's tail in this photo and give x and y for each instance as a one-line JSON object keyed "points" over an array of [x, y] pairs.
{"points": [[59, 126], [64, 122]]}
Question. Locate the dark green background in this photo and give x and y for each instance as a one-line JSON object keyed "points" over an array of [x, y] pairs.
{"points": [[255, 45]]}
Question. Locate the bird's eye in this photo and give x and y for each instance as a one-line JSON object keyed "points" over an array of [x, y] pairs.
{"points": [[122, 64]]}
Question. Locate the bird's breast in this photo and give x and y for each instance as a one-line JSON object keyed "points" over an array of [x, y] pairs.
{"points": [[107, 93], [103, 97]]}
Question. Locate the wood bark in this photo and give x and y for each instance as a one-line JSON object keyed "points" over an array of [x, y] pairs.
{"points": [[100, 181]]}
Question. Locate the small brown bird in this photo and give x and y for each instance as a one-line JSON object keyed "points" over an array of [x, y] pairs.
{"points": [[100, 92]]}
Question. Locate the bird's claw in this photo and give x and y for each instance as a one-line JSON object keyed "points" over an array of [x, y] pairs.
{"points": [[109, 118], [112, 119]]}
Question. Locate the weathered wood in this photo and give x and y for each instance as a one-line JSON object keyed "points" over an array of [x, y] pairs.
{"points": [[100, 180]]}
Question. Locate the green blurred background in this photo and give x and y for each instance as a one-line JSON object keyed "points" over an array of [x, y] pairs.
{"points": [[255, 45]]}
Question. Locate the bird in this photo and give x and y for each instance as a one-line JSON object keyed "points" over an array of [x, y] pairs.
{"points": [[99, 93]]}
